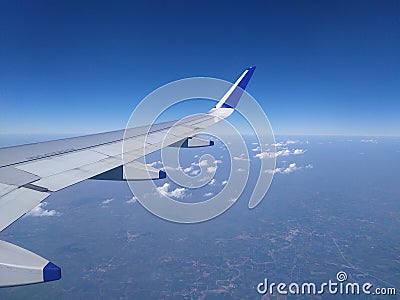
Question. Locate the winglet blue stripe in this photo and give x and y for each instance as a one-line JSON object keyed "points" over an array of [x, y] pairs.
{"points": [[243, 83], [234, 98]]}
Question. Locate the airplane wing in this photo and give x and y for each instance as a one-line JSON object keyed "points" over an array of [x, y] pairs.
{"points": [[30, 173]]}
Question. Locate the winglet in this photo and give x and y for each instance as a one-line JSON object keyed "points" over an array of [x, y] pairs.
{"points": [[231, 98]]}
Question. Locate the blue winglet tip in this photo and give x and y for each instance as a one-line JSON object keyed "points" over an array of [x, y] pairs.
{"points": [[233, 98], [162, 174], [250, 72], [51, 272]]}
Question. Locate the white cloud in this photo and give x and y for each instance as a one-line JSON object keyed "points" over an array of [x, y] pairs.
{"points": [[155, 164], [177, 193], [193, 169], [266, 154], [278, 144], [309, 166], [202, 163], [283, 152], [224, 182], [290, 142], [240, 170], [212, 169], [40, 211], [188, 169], [373, 141], [241, 157], [107, 201], [208, 194], [132, 200], [195, 172], [271, 154], [298, 151], [211, 166], [283, 144], [213, 182], [291, 168]]}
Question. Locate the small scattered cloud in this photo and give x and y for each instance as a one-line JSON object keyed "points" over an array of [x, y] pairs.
{"points": [[132, 200], [208, 194], [240, 170], [40, 211], [188, 169], [194, 168], [271, 154], [298, 151], [266, 154], [241, 157], [156, 164], [291, 142], [212, 169], [202, 163], [195, 172], [211, 166], [176, 193], [224, 182], [284, 144], [107, 201], [213, 182], [283, 152], [284, 170], [292, 167], [288, 169], [278, 144], [372, 141]]}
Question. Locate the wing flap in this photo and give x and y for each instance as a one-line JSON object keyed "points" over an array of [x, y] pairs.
{"points": [[63, 180], [67, 178], [58, 164], [6, 188], [13, 176]]}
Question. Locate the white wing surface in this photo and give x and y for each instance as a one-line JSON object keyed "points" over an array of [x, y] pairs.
{"points": [[30, 173]]}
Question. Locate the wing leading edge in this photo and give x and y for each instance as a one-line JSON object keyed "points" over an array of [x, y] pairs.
{"points": [[30, 173]]}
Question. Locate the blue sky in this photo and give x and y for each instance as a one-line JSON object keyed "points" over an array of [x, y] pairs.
{"points": [[323, 67]]}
